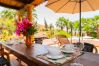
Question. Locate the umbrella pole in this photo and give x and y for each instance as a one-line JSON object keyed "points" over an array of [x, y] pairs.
{"points": [[71, 34], [79, 20]]}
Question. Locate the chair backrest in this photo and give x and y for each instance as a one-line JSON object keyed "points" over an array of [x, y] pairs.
{"points": [[4, 61], [79, 45], [62, 40], [38, 40], [1, 49], [89, 47]]}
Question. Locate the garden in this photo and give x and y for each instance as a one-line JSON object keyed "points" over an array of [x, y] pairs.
{"points": [[63, 26]]}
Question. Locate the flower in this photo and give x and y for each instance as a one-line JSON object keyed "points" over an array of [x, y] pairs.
{"points": [[25, 27]]}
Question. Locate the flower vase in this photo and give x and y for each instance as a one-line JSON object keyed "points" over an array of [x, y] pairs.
{"points": [[29, 41]]}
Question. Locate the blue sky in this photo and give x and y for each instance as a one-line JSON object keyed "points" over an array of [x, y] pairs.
{"points": [[51, 16]]}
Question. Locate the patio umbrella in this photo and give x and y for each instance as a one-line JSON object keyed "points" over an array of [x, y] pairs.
{"points": [[73, 6]]}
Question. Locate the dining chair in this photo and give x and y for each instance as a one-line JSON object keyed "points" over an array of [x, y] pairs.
{"points": [[40, 40], [86, 47], [89, 48], [62, 40], [4, 61]]}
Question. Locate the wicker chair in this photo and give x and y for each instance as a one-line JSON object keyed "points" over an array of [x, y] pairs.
{"points": [[86, 47], [4, 61], [89, 48], [62, 40]]}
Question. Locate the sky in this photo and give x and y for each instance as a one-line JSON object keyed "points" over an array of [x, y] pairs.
{"points": [[51, 17]]}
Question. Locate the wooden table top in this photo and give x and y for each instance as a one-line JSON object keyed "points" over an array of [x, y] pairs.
{"points": [[28, 55]]}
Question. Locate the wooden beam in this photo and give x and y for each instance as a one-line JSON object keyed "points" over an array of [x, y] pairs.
{"points": [[10, 6], [25, 1], [36, 2]]}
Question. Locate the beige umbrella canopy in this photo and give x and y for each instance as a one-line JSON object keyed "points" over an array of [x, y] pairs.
{"points": [[73, 6]]}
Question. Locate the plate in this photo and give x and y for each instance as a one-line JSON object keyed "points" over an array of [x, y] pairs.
{"points": [[55, 57], [69, 51]]}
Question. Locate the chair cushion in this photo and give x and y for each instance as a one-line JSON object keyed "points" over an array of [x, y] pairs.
{"points": [[88, 47], [3, 61]]}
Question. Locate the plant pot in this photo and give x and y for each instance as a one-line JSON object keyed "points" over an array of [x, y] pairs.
{"points": [[29, 41]]}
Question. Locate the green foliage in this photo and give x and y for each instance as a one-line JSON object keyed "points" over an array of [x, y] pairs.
{"points": [[5, 32], [50, 33], [51, 27], [46, 26], [8, 13], [5, 35], [94, 34], [7, 24], [64, 23], [88, 24], [62, 32], [34, 14], [7, 20], [10, 25], [96, 17], [60, 23], [32, 30], [76, 25]]}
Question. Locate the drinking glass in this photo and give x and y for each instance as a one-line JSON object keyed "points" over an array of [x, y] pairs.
{"points": [[78, 53], [76, 64]]}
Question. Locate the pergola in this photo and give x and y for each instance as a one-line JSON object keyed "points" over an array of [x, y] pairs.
{"points": [[21, 4]]}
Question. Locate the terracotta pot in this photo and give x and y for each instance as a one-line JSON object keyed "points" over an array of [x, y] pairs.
{"points": [[29, 41]]}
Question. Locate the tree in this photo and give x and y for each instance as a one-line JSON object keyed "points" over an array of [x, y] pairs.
{"points": [[50, 32], [75, 27], [60, 23], [46, 26], [89, 25], [70, 25], [51, 26], [8, 13], [67, 24], [97, 26], [8, 17]]}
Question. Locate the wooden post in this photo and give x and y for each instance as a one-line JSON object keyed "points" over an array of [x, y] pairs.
{"points": [[29, 9], [19, 15]]}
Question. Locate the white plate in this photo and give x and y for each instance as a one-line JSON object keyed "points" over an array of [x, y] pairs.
{"points": [[69, 51], [55, 57]]}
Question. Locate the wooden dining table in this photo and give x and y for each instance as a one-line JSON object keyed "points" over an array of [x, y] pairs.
{"points": [[28, 55]]}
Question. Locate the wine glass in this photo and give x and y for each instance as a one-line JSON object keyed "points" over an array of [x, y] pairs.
{"points": [[78, 48], [76, 64]]}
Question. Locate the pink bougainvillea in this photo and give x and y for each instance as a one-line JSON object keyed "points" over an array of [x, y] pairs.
{"points": [[25, 27]]}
